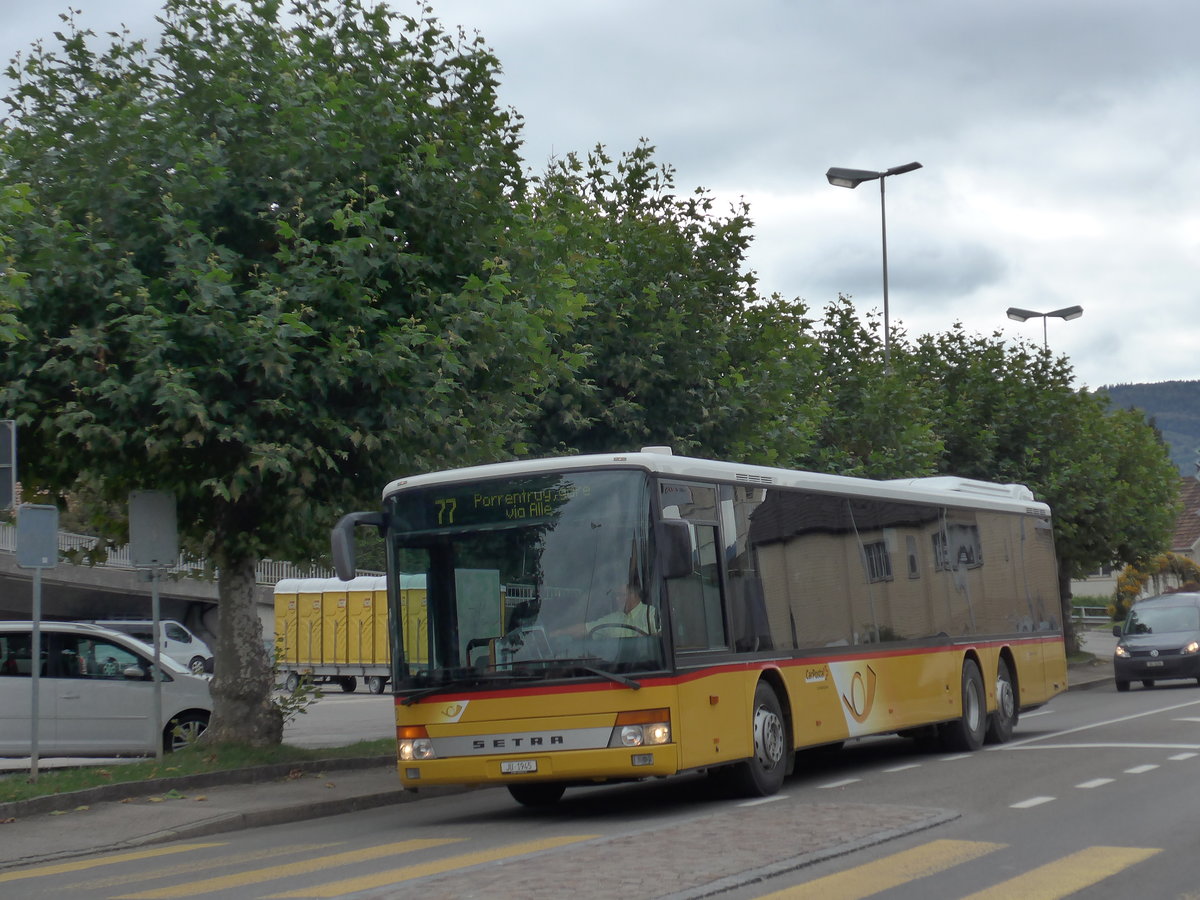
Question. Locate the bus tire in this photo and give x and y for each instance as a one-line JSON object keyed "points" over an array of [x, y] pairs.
{"points": [[969, 729], [375, 684], [762, 775], [1002, 722], [537, 793]]}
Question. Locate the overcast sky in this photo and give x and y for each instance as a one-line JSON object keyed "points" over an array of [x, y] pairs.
{"points": [[1060, 143]]}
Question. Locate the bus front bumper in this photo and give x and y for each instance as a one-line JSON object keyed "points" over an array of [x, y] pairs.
{"points": [[580, 766]]}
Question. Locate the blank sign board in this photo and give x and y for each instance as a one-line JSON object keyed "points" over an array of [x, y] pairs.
{"points": [[153, 531], [37, 536]]}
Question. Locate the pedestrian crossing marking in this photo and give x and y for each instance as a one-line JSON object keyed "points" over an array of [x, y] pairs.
{"points": [[258, 876], [83, 864], [437, 867], [1065, 876], [889, 872], [201, 865]]}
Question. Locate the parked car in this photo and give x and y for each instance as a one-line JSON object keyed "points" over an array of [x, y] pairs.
{"points": [[1160, 640], [95, 694], [177, 641]]}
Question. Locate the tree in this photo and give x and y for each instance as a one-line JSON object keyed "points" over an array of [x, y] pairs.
{"points": [[264, 275], [662, 279]]}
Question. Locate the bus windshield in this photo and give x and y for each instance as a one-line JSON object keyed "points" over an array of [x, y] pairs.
{"points": [[535, 577]]}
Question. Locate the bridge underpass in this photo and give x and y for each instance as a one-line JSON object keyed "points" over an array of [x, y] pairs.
{"points": [[81, 592]]}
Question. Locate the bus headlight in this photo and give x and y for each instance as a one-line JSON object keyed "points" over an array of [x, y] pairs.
{"points": [[413, 742], [641, 728]]}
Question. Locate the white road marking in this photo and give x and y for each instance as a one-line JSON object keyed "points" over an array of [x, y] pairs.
{"points": [[838, 784], [760, 801], [1017, 745], [1141, 770], [1095, 783], [1179, 757], [1031, 802], [904, 767]]}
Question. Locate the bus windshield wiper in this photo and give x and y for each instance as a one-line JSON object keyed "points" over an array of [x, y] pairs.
{"points": [[473, 680], [586, 666]]}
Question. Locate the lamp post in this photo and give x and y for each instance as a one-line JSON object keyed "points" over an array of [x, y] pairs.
{"points": [[852, 178], [1067, 313]]}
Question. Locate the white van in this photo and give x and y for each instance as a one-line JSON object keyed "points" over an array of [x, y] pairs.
{"points": [[177, 642], [95, 694]]}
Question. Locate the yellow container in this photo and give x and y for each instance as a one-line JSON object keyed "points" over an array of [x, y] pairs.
{"points": [[286, 621]]}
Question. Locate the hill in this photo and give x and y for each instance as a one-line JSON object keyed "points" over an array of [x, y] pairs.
{"points": [[1171, 406]]}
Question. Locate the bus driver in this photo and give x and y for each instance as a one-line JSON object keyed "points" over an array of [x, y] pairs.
{"points": [[635, 616]]}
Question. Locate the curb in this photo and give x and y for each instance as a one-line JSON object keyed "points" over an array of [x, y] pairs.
{"points": [[125, 789]]}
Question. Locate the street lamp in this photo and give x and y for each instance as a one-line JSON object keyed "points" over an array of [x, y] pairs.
{"points": [[1067, 313], [852, 178]]}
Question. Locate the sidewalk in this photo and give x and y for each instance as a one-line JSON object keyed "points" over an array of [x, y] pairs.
{"points": [[117, 817]]}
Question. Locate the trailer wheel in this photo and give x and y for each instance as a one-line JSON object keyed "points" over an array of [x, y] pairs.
{"points": [[376, 683], [291, 682], [349, 684]]}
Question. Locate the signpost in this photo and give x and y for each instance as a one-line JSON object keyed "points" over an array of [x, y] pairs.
{"points": [[37, 549], [8, 463], [154, 546]]}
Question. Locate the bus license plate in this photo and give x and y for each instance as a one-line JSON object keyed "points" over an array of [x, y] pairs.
{"points": [[518, 766]]}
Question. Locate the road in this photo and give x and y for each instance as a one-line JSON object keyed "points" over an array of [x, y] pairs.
{"points": [[1094, 798]]}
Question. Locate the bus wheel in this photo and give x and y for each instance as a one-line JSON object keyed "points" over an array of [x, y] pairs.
{"points": [[537, 793], [375, 684], [1002, 722], [763, 775], [968, 730], [349, 684]]}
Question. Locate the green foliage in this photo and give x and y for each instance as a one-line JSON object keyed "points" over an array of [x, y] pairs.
{"points": [[660, 280], [263, 271]]}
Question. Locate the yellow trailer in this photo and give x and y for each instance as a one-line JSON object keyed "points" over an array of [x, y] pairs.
{"points": [[333, 631]]}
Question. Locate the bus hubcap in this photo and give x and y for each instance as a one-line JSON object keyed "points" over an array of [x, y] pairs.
{"points": [[768, 737]]}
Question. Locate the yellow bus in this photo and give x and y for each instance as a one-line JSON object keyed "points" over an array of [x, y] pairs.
{"points": [[605, 618]]}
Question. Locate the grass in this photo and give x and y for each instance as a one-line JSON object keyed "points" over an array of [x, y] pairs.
{"points": [[192, 761]]}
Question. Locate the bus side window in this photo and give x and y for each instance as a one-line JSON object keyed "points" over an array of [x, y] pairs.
{"points": [[696, 598]]}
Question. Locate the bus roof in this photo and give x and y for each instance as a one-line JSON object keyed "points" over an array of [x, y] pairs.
{"points": [[943, 489]]}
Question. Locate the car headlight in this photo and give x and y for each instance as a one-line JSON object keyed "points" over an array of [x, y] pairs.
{"points": [[1192, 647], [1121, 651]]}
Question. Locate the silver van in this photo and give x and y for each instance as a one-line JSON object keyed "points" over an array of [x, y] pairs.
{"points": [[95, 694], [177, 641]]}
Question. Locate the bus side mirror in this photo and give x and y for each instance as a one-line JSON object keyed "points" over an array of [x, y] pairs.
{"points": [[342, 540], [675, 543]]}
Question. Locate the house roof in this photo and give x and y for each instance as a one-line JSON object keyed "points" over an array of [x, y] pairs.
{"points": [[1187, 526]]}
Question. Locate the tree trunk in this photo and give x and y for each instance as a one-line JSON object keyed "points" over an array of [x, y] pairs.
{"points": [[242, 683]]}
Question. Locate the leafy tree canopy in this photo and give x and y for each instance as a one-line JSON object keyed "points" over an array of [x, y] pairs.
{"points": [[263, 273]]}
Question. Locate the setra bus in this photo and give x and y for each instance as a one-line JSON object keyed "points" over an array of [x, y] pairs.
{"points": [[615, 617]]}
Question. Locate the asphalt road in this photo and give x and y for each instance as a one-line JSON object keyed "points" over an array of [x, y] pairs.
{"points": [[1092, 799]]}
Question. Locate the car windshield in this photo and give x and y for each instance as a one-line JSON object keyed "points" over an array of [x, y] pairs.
{"points": [[536, 577], [1163, 620]]}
